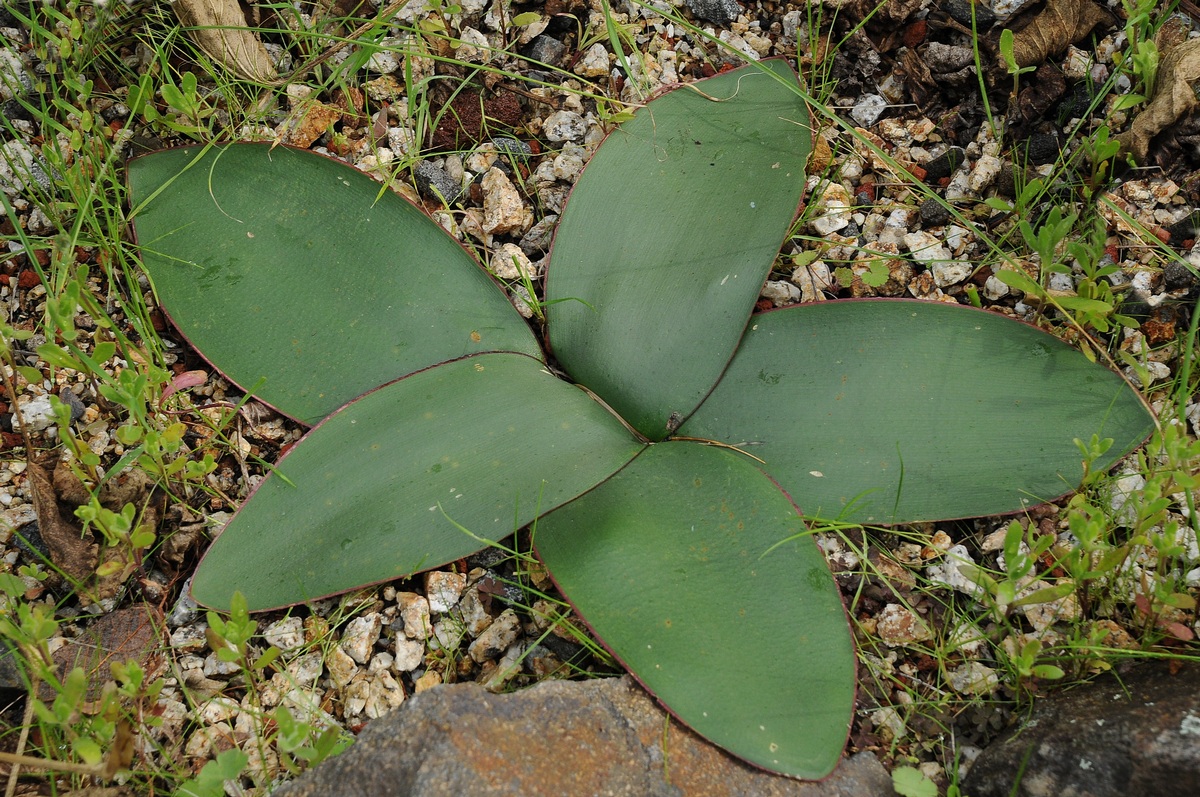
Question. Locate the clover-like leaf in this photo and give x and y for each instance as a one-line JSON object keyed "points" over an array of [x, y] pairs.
{"points": [[679, 563], [290, 270]]}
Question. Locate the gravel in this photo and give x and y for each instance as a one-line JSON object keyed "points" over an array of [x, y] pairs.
{"points": [[504, 193]]}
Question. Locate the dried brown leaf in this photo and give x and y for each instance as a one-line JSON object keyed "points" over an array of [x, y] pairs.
{"points": [[70, 551], [1044, 91], [1060, 23], [128, 634], [1174, 97], [219, 27]]}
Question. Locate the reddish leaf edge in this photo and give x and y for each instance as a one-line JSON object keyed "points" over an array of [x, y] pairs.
{"points": [[425, 567], [1023, 510], [637, 678], [548, 349], [248, 392]]}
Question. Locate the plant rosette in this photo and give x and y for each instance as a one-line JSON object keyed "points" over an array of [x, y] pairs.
{"points": [[665, 485]]}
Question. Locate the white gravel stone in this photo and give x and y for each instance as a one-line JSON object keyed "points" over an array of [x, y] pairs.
{"points": [[474, 48], [594, 62], [508, 666], [868, 109], [414, 611], [953, 572], [744, 47], [564, 126], [897, 625], [384, 693], [994, 289], [448, 633], [383, 62], [35, 412], [950, 272], [20, 168], [15, 79], [218, 709], [569, 163], [511, 263], [409, 654], [925, 247], [401, 141], [1155, 372], [504, 210], [781, 293], [1006, 8], [286, 634], [213, 666], [812, 280], [341, 666], [1060, 282], [973, 678], [833, 209], [305, 670], [444, 589], [986, 170], [200, 744], [1043, 615], [189, 638], [360, 635], [1078, 64], [498, 636], [475, 618]]}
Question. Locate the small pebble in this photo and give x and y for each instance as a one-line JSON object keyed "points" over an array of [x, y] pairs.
{"points": [[563, 126]]}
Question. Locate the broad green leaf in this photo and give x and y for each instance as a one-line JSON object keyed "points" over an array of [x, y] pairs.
{"points": [[890, 411], [668, 236], [672, 563], [381, 488], [284, 266]]}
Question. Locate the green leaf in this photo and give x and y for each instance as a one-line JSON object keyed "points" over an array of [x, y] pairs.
{"points": [[486, 442], [1015, 279], [890, 411], [687, 566], [284, 266], [30, 374], [911, 782], [1094, 306], [668, 236]]}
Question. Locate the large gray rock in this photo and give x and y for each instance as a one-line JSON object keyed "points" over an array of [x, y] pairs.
{"points": [[558, 738], [1139, 735]]}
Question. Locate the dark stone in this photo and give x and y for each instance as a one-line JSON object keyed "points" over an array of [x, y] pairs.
{"points": [[1133, 737], [945, 164], [1176, 275], [507, 145], [12, 674], [545, 49], [1186, 229], [434, 183], [537, 241], [1040, 148], [934, 212], [721, 12], [960, 12], [574, 738], [68, 397]]}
